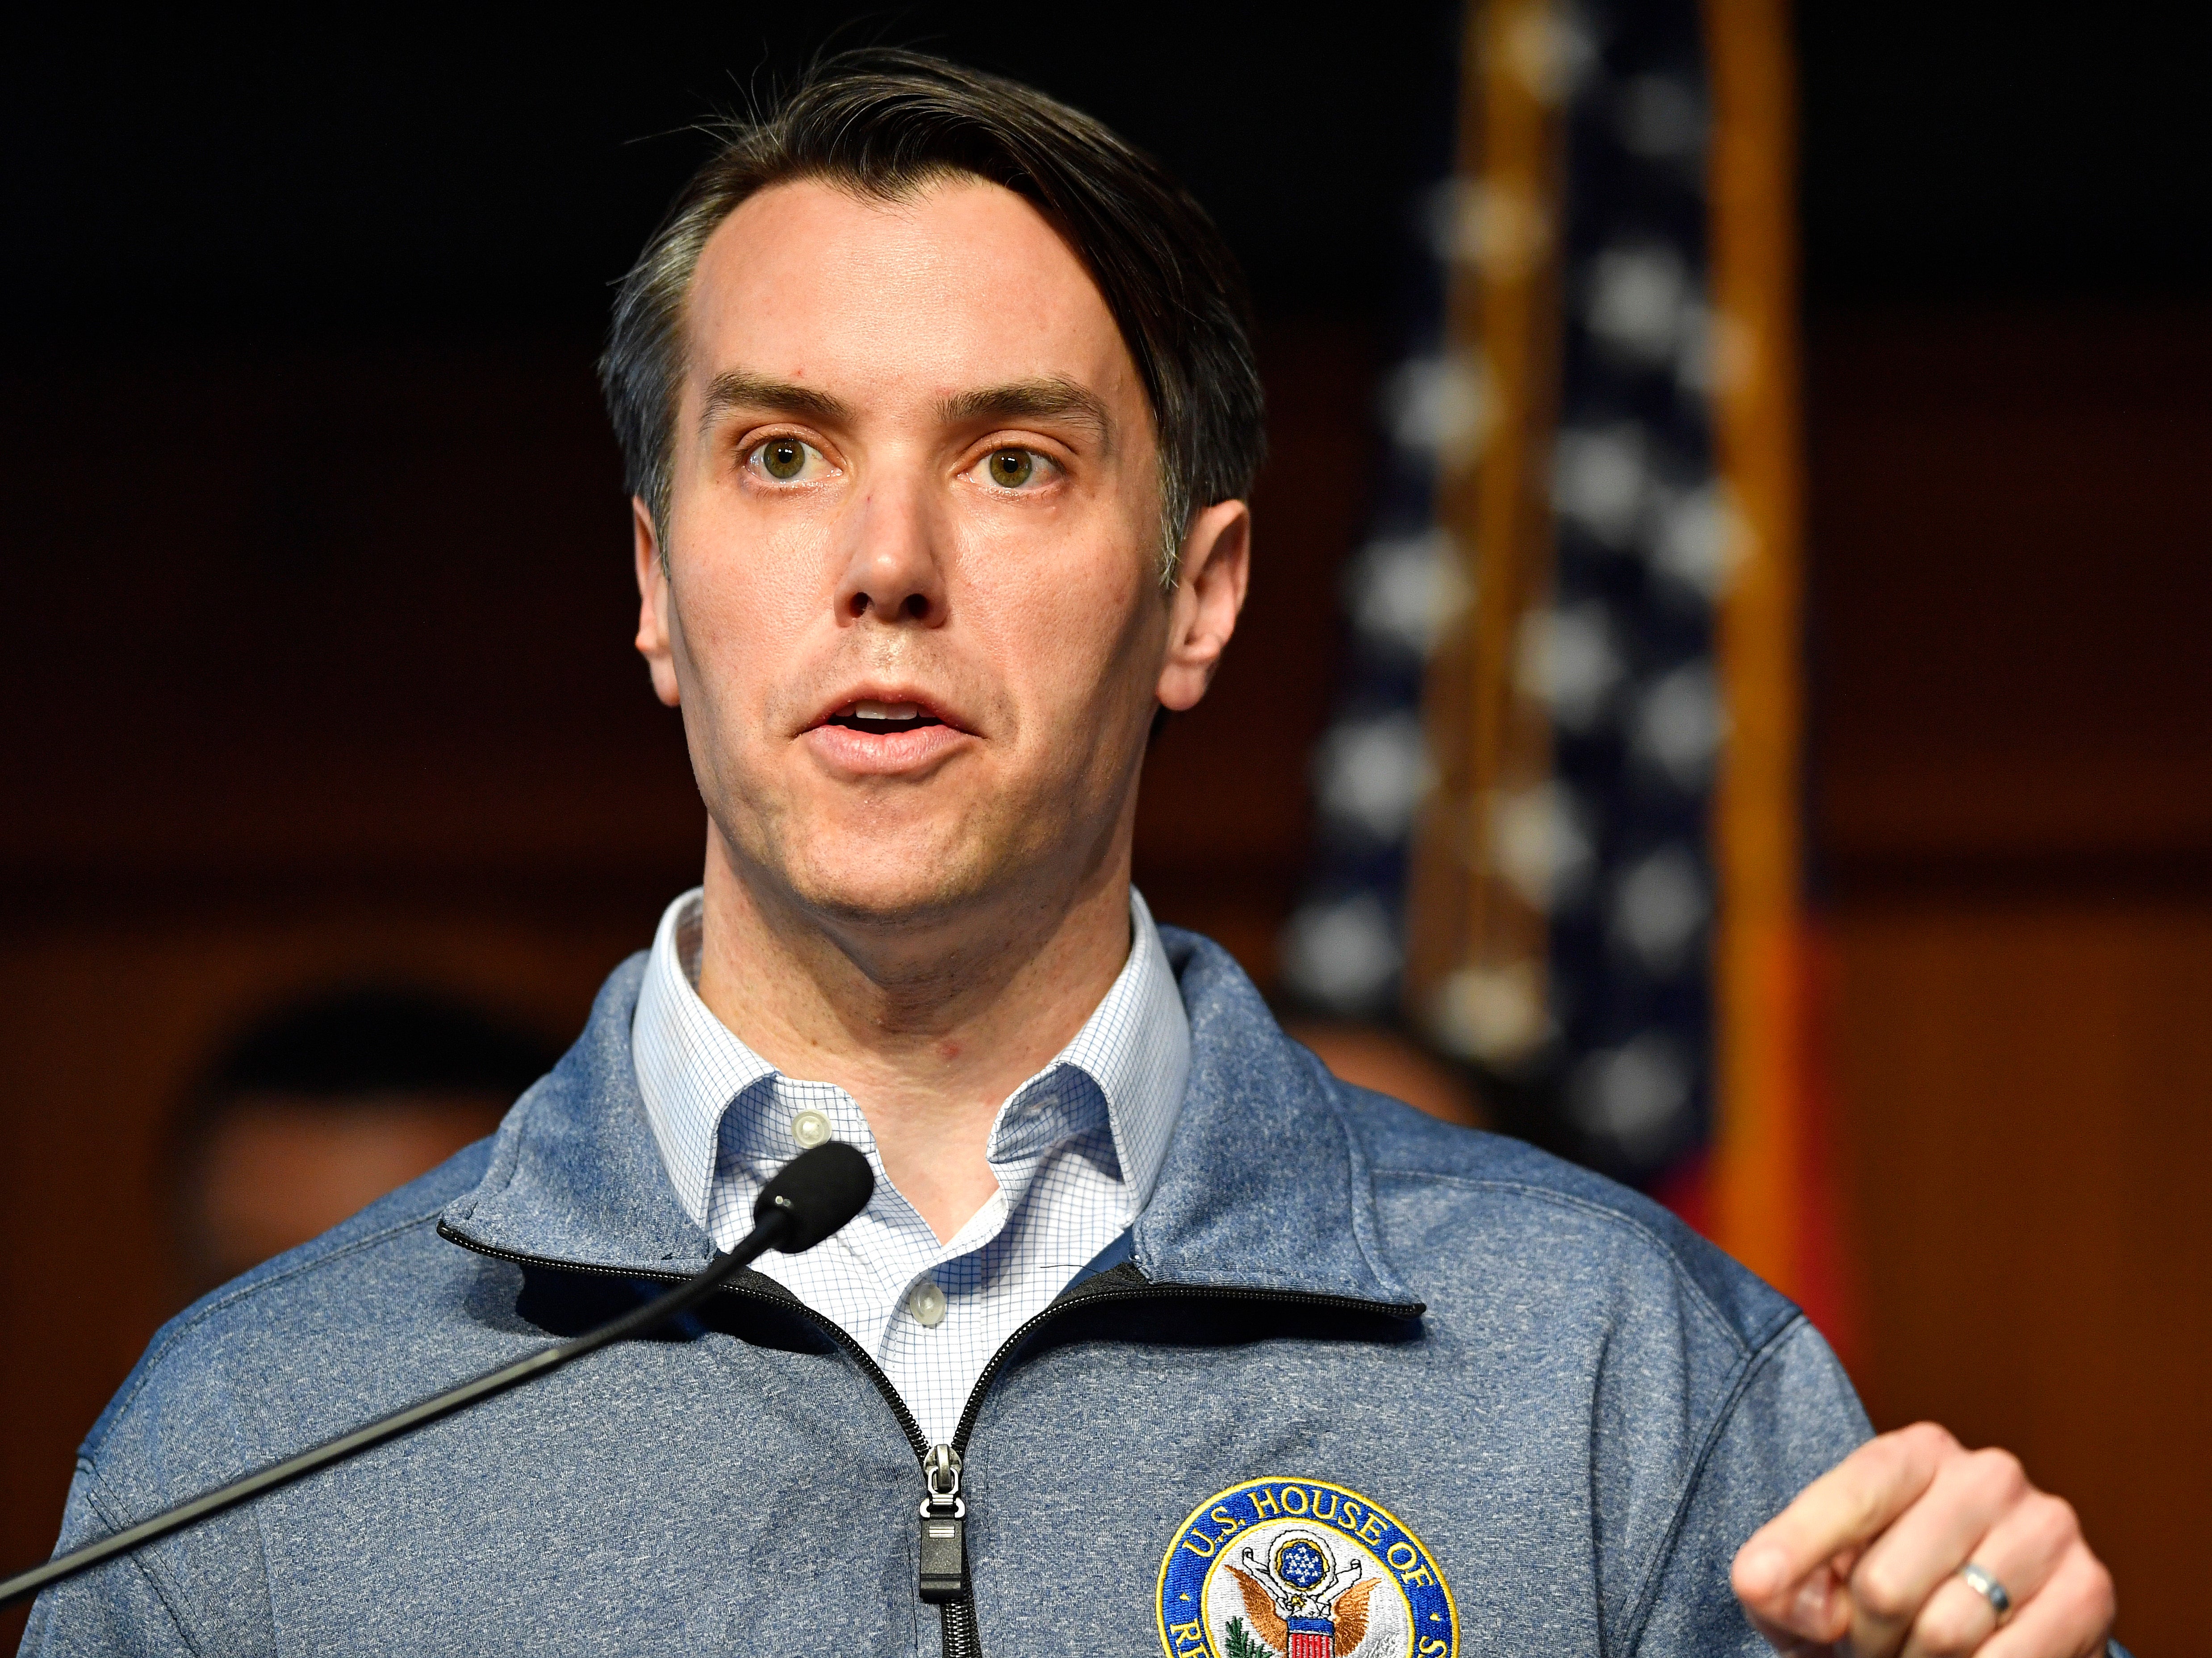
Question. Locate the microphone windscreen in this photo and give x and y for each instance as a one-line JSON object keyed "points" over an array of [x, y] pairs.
{"points": [[820, 1189]]}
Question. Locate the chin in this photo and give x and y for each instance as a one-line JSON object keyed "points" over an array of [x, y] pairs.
{"points": [[859, 879], [905, 861]]}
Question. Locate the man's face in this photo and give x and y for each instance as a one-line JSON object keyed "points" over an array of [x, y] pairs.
{"points": [[912, 612]]}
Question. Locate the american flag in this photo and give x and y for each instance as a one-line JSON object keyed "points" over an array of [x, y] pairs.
{"points": [[1560, 806]]}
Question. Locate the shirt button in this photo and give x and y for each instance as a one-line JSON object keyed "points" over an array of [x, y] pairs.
{"points": [[810, 1128], [926, 1303]]}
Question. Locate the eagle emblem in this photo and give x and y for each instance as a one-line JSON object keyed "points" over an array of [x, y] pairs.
{"points": [[1302, 1569], [1306, 1605]]}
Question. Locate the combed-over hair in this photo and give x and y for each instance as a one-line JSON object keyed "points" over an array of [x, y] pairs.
{"points": [[889, 122]]}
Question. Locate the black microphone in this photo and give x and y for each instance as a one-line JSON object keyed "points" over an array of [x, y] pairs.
{"points": [[810, 1197]]}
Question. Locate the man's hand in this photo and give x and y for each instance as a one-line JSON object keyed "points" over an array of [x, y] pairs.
{"points": [[1866, 1560]]}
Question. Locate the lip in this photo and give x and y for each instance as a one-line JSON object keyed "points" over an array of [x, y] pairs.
{"points": [[881, 691], [877, 754]]}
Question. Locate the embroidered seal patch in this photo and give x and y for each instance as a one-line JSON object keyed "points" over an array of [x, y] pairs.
{"points": [[1302, 1569]]}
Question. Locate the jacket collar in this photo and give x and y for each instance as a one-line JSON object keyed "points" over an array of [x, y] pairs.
{"points": [[1265, 1184]]}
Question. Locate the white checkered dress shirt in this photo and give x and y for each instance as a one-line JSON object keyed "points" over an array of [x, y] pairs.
{"points": [[1076, 1150]]}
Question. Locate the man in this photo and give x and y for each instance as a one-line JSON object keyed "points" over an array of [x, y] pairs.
{"points": [[322, 1109], [940, 420]]}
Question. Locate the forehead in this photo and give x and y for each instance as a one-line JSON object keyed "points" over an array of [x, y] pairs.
{"points": [[964, 284]]}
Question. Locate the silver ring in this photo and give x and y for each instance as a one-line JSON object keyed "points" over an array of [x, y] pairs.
{"points": [[1984, 1583]]}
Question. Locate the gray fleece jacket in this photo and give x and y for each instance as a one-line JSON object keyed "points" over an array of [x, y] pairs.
{"points": [[1359, 1383]]}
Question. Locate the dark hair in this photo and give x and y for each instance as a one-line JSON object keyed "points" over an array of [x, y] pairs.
{"points": [[889, 122], [330, 1056], [377, 1040]]}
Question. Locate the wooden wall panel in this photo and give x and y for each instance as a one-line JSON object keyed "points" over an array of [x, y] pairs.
{"points": [[2012, 577], [2011, 586], [2028, 1096]]}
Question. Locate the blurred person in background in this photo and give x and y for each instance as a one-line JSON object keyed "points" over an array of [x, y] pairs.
{"points": [[323, 1108]]}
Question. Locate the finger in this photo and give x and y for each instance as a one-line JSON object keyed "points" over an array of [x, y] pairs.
{"points": [[1928, 1543], [1956, 1620], [1819, 1615], [1786, 1645], [2022, 1552], [1844, 1508], [2070, 1618]]}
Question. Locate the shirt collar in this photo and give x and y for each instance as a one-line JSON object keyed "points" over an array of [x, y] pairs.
{"points": [[1268, 1184], [1134, 1047]]}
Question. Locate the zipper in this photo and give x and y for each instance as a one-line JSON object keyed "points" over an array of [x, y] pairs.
{"points": [[944, 1553], [944, 1579], [961, 1637]]}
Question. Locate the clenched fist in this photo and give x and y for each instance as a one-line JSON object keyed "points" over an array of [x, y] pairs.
{"points": [[1871, 1560]]}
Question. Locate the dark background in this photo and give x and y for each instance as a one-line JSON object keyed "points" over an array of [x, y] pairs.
{"points": [[316, 666], [2008, 286]]}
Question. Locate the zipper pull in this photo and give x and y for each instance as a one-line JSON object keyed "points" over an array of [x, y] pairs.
{"points": [[944, 1528]]}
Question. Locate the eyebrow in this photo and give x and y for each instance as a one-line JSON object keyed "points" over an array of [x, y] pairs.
{"points": [[741, 388], [1047, 398]]}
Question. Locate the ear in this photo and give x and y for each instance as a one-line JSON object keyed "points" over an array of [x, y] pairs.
{"points": [[654, 603], [1217, 564]]}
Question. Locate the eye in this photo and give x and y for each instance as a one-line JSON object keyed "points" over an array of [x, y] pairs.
{"points": [[786, 459], [1016, 469]]}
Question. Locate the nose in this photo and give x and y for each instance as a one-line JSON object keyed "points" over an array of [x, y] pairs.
{"points": [[893, 571]]}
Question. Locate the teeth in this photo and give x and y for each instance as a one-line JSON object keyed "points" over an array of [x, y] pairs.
{"points": [[886, 711]]}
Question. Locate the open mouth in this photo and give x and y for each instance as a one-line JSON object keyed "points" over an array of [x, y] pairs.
{"points": [[883, 718]]}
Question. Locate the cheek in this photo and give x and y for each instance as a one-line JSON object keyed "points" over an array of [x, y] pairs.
{"points": [[1072, 586], [743, 605], [1071, 631]]}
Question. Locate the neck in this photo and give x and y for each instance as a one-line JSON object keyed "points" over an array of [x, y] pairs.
{"points": [[929, 1025]]}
